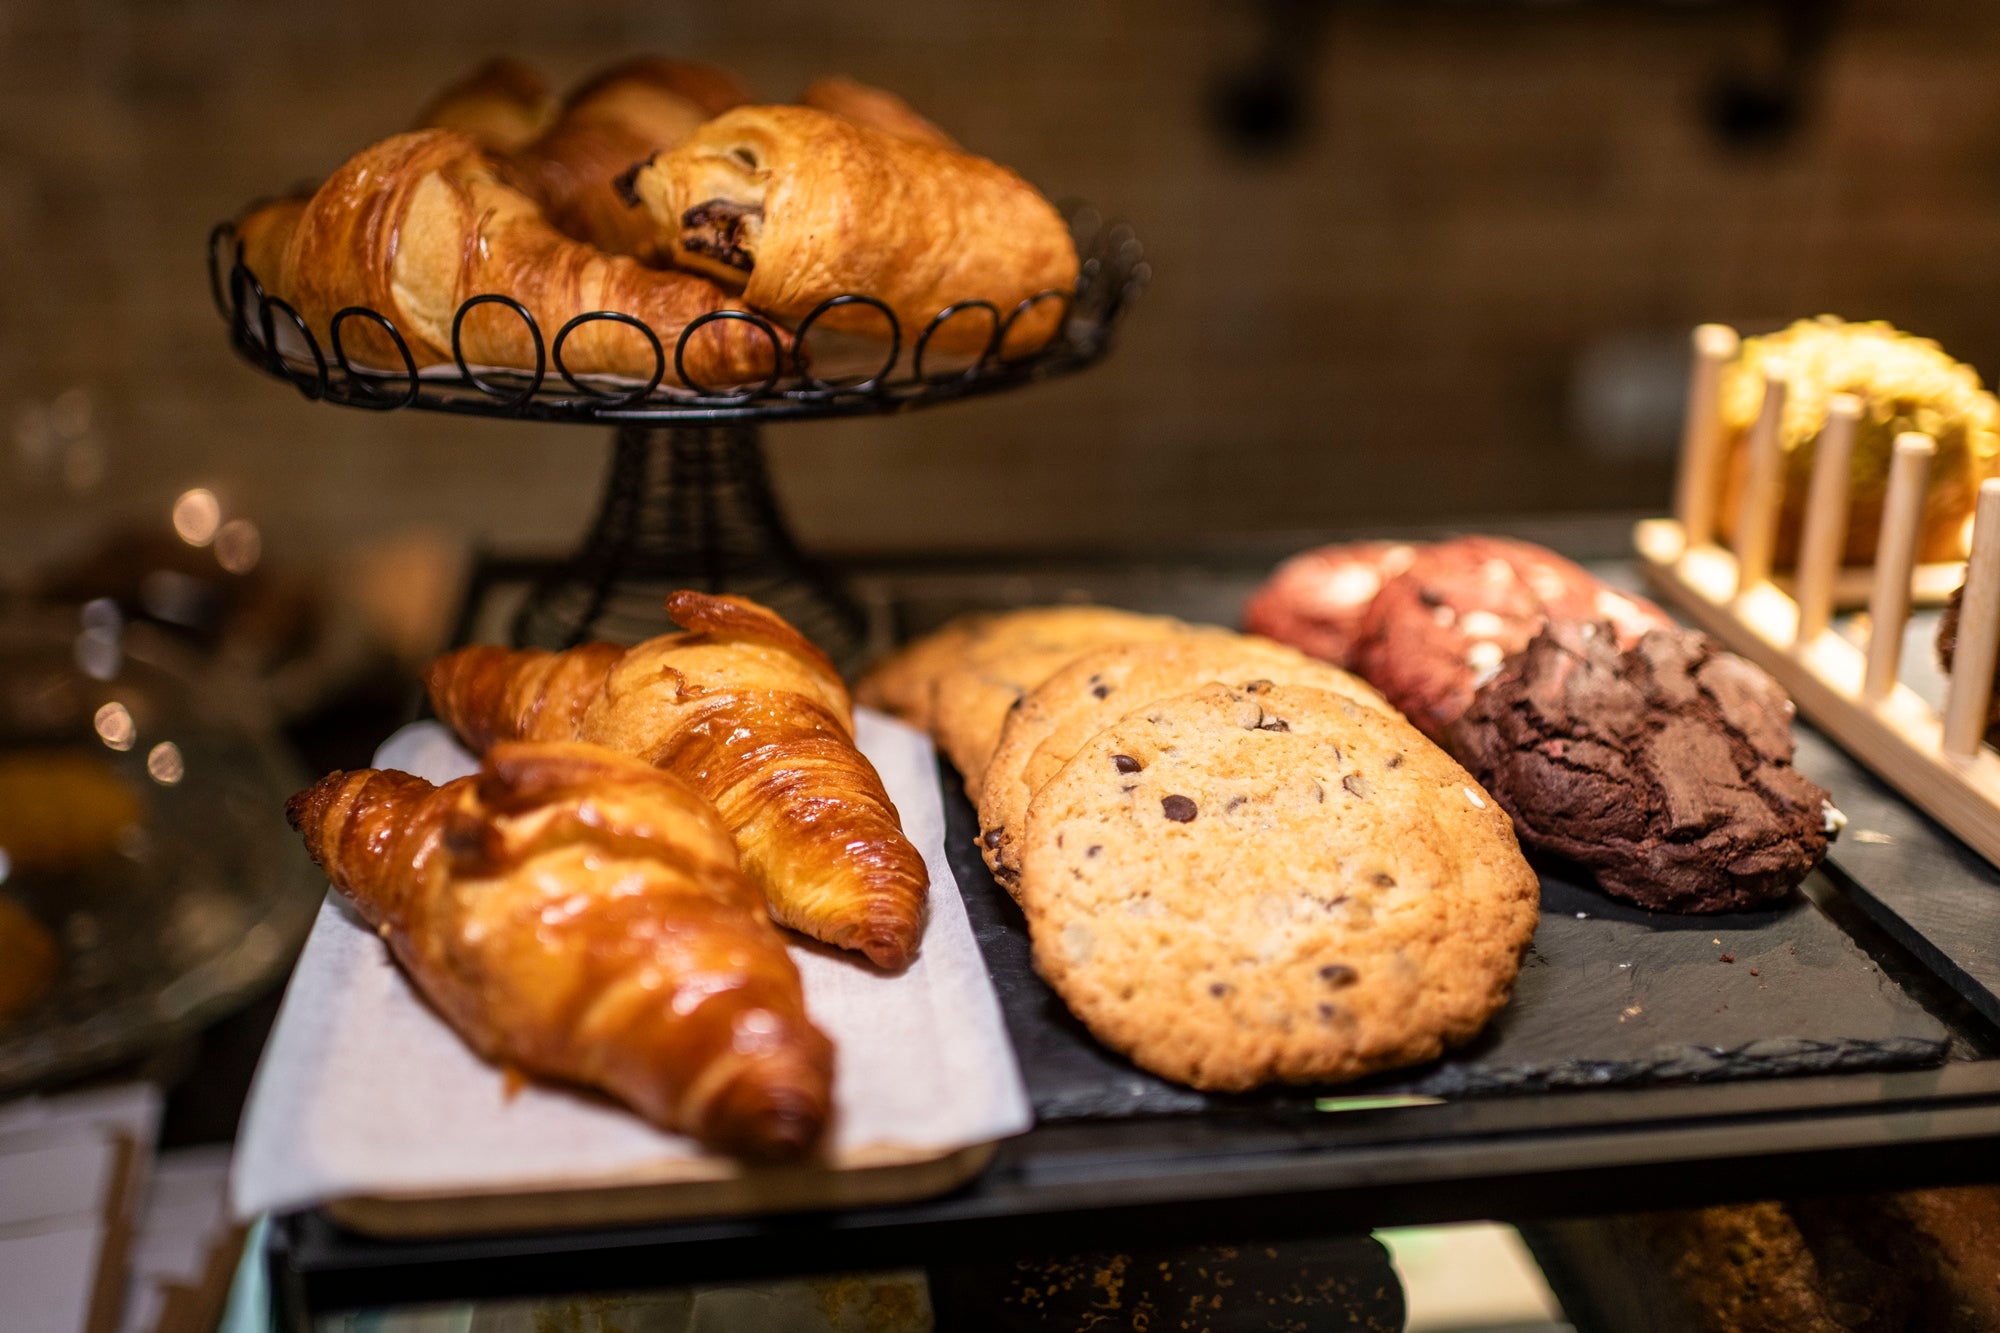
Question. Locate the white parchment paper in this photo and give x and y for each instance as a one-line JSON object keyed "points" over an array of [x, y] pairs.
{"points": [[363, 1091]]}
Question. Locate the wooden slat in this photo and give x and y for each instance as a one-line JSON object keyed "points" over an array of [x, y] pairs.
{"points": [[1899, 737], [1824, 534], [1895, 557], [1971, 690], [1715, 346], [1756, 519]]}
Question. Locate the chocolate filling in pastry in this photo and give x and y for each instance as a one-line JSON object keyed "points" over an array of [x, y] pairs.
{"points": [[719, 229]]}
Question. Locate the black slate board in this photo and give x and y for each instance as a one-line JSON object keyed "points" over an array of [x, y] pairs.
{"points": [[1927, 890], [1609, 996]]}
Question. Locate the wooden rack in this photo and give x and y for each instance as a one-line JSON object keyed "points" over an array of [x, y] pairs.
{"points": [[1936, 758]]}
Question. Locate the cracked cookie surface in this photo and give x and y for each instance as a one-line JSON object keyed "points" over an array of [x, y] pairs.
{"points": [[1666, 770], [1047, 727], [1441, 628], [1239, 886]]}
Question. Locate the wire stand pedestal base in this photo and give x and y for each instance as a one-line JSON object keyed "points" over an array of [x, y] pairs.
{"points": [[686, 506]]}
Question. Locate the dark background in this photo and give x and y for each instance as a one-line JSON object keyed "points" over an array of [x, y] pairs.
{"points": [[1445, 271]]}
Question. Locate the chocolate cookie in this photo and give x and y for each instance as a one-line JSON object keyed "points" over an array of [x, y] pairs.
{"points": [[1238, 886], [1666, 768], [1440, 629], [1316, 600]]}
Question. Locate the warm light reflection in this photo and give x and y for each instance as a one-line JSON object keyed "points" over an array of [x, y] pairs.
{"points": [[238, 545], [115, 726], [197, 514], [97, 654], [101, 615], [163, 764]]}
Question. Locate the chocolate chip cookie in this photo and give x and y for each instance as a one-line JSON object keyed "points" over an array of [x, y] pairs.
{"points": [[905, 682], [1098, 688], [1004, 657], [1240, 886], [1666, 770], [1439, 629]]}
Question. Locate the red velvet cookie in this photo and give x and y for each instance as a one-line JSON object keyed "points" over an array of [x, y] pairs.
{"points": [[1441, 628], [1315, 601]]}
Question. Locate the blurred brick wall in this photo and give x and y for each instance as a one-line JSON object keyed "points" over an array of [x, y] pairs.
{"points": [[1382, 323]]}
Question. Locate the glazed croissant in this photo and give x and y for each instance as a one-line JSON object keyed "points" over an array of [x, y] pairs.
{"points": [[418, 224], [503, 105], [623, 115], [794, 205], [876, 108], [757, 720], [582, 915]]}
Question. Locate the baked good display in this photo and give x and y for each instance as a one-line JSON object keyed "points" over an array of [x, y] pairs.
{"points": [[418, 224], [1095, 689], [1906, 383], [1007, 655], [1273, 883], [757, 720], [1316, 600], [620, 116], [29, 959], [1665, 768], [503, 105], [791, 206], [876, 108], [581, 915], [1441, 628]]}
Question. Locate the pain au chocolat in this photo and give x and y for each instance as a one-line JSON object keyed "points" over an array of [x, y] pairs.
{"points": [[792, 205]]}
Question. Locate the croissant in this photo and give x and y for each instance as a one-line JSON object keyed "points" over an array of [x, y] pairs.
{"points": [[264, 235], [877, 108], [624, 114], [757, 720], [503, 105], [418, 224], [793, 205], [582, 916]]}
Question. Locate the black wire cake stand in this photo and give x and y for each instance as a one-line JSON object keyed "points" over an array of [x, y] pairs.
{"points": [[687, 501]]}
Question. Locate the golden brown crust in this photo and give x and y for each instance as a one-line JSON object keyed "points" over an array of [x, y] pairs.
{"points": [[418, 224], [503, 105], [876, 108], [581, 915], [621, 117], [710, 89], [757, 720], [795, 205], [263, 235]]}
